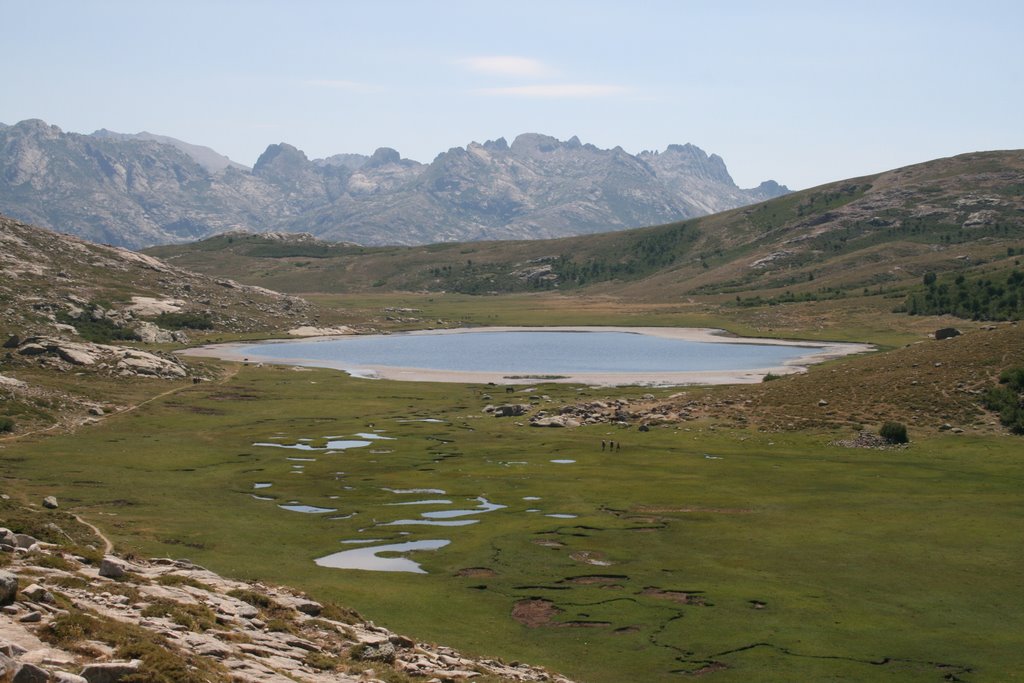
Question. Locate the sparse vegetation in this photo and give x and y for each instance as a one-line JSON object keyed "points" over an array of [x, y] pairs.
{"points": [[1007, 399], [99, 331], [180, 321]]}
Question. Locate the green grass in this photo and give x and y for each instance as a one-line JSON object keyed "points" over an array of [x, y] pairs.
{"points": [[859, 557]]}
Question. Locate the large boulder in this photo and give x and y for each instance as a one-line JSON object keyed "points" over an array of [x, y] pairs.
{"points": [[8, 588], [151, 333], [947, 333], [112, 568], [110, 672], [555, 421], [511, 410], [30, 673]]}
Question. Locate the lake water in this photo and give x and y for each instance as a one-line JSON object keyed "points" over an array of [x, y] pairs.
{"points": [[533, 351]]}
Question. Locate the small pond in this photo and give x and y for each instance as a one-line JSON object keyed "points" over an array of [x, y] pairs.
{"points": [[534, 352], [542, 353]]}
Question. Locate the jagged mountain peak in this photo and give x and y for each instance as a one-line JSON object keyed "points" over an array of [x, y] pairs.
{"points": [[142, 189]]}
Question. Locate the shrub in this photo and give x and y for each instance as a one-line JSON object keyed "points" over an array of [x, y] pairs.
{"points": [[1007, 399], [894, 432], [6, 424], [179, 321]]}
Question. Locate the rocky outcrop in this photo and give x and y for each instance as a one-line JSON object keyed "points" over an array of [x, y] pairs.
{"points": [[111, 360], [144, 189], [219, 629], [51, 282]]}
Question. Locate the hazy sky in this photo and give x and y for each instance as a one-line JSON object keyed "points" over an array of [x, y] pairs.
{"points": [[802, 92]]}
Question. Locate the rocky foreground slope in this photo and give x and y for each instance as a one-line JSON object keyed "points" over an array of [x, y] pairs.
{"points": [[74, 615], [141, 190]]}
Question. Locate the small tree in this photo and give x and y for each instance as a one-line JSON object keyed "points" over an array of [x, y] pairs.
{"points": [[894, 432]]}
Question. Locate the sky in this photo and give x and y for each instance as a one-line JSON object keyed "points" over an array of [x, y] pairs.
{"points": [[800, 92]]}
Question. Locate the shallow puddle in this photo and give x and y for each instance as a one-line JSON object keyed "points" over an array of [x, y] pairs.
{"points": [[485, 506], [262, 485], [438, 491], [563, 461], [311, 509], [369, 559], [431, 522], [437, 501], [561, 515]]}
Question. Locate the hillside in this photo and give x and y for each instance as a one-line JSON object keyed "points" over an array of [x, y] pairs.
{"points": [[144, 189], [86, 328], [870, 235], [47, 276]]}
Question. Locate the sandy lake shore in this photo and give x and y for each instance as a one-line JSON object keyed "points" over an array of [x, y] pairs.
{"points": [[817, 352]]}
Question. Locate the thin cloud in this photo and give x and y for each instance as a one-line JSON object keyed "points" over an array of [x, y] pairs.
{"points": [[336, 84], [556, 91], [508, 65]]}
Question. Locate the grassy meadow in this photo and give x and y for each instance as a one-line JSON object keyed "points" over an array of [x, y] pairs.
{"points": [[698, 548]]}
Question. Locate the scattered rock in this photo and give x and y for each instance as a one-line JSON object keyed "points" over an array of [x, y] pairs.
{"points": [[50, 502]]}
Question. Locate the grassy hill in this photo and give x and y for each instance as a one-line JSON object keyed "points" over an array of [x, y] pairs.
{"points": [[863, 236]]}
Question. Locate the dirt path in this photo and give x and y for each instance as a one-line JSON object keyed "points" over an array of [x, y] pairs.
{"points": [[108, 545], [70, 426]]}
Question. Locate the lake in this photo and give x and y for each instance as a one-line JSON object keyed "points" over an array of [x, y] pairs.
{"points": [[598, 355]]}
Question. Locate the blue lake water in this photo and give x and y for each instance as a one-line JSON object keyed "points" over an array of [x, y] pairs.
{"points": [[533, 352]]}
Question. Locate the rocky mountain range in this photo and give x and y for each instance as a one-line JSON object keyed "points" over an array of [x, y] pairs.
{"points": [[144, 189]]}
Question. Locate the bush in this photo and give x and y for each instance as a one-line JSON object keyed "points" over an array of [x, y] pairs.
{"points": [[1007, 399], [6, 424], [180, 321], [894, 432]]}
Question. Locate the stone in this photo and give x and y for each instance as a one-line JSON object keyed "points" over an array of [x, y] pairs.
{"points": [[112, 568], [309, 607], [8, 587], [12, 649], [50, 502], [555, 421], [110, 672], [30, 673], [37, 593], [151, 333], [32, 617], [65, 677], [381, 652], [25, 541], [511, 409]]}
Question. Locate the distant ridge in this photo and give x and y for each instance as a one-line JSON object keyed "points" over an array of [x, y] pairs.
{"points": [[144, 189]]}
